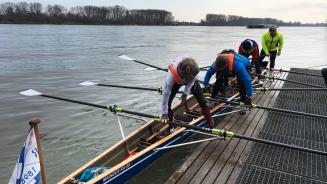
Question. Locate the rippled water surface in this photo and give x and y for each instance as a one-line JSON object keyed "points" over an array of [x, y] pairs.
{"points": [[55, 59]]}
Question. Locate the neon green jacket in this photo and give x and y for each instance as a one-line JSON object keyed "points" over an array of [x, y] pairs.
{"points": [[272, 43]]}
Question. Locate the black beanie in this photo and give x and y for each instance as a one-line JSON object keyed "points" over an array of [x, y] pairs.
{"points": [[247, 45]]}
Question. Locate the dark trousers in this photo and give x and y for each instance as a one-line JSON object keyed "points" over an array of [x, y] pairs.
{"points": [[220, 84], [254, 63], [272, 58], [195, 90], [241, 89]]}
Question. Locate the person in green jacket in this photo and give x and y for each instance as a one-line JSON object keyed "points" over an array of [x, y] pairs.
{"points": [[272, 45]]}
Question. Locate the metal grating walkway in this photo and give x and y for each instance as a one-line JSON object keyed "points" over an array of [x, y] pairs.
{"points": [[271, 164]]}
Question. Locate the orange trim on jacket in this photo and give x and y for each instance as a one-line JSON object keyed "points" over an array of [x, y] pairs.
{"points": [[173, 71], [230, 58]]}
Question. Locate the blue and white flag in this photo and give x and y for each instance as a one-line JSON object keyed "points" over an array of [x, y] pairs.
{"points": [[27, 169]]}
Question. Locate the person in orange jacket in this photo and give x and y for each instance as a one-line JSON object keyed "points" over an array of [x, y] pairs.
{"points": [[183, 72]]}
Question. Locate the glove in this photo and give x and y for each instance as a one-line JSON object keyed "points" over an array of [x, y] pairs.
{"points": [[248, 103], [183, 97], [164, 118], [279, 53]]}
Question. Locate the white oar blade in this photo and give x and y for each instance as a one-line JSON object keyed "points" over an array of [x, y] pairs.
{"points": [[30, 92], [125, 57], [88, 83], [149, 69]]}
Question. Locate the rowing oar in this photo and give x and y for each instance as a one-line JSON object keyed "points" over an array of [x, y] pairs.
{"points": [[125, 57], [264, 89], [288, 71], [286, 80], [114, 108], [271, 108], [89, 83], [229, 134]]}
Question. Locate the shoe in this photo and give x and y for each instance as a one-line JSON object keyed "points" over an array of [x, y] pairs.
{"points": [[260, 83], [168, 132]]}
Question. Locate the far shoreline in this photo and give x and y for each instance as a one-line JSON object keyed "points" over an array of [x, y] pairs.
{"points": [[164, 25]]}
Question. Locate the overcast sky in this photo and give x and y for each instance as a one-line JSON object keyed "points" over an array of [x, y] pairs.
{"points": [[306, 11]]}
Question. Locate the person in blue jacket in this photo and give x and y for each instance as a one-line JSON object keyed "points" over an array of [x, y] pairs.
{"points": [[231, 64]]}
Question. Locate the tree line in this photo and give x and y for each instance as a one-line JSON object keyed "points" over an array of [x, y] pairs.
{"points": [[23, 12], [234, 20]]}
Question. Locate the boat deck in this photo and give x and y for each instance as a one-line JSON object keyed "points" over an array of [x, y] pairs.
{"points": [[240, 161]]}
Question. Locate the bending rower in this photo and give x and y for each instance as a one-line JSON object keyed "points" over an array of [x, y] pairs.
{"points": [[183, 72], [232, 64], [250, 48]]}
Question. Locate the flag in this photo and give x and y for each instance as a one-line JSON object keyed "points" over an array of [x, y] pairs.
{"points": [[27, 169]]}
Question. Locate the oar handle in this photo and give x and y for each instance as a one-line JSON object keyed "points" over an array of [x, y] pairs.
{"points": [[113, 108], [229, 134], [291, 81], [75, 101], [156, 67], [296, 82], [288, 71], [264, 89], [292, 112], [219, 132], [280, 144], [139, 114], [272, 109], [132, 87]]}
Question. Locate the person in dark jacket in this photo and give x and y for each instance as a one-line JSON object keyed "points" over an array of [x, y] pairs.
{"points": [[250, 48]]}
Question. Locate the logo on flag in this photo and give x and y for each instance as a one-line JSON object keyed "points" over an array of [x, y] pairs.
{"points": [[27, 169]]}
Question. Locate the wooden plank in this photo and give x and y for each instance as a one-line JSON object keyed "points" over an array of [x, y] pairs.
{"points": [[222, 152], [191, 163], [234, 159], [190, 160], [174, 177], [190, 172], [212, 148], [218, 165], [237, 167]]}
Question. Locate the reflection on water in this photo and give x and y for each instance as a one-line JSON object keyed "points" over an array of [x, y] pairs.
{"points": [[55, 59]]}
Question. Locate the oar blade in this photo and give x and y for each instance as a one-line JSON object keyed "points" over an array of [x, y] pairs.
{"points": [[150, 69], [125, 57], [88, 83], [30, 92]]}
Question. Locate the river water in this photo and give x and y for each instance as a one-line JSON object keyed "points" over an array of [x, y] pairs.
{"points": [[54, 59]]}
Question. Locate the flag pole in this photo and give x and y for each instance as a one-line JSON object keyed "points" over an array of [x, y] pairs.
{"points": [[34, 123]]}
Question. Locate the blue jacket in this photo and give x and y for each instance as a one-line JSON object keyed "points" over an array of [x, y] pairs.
{"points": [[240, 66]]}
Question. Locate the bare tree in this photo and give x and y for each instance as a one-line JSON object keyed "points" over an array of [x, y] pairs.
{"points": [[35, 8]]}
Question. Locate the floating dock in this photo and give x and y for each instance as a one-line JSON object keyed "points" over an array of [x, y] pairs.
{"points": [[241, 161]]}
